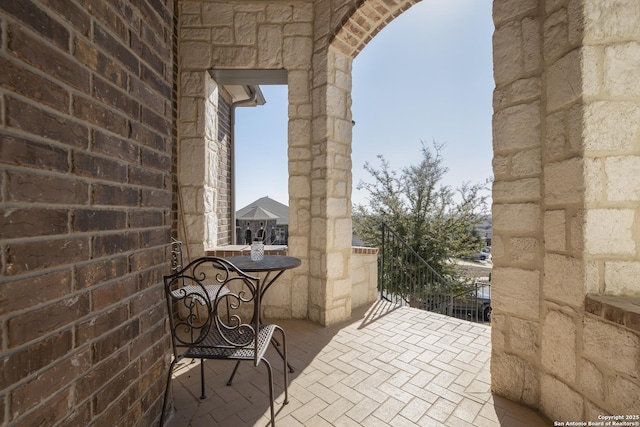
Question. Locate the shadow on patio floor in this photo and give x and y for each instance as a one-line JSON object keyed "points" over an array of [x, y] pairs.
{"points": [[389, 365]]}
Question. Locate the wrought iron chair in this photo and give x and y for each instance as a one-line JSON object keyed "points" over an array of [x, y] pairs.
{"points": [[204, 327]]}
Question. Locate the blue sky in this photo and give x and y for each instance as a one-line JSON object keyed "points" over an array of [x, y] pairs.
{"points": [[426, 76]]}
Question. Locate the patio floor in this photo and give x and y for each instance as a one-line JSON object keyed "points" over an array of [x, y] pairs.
{"points": [[390, 365]]}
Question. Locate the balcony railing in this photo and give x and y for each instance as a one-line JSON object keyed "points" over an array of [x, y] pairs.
{"points": [[404, 277]]}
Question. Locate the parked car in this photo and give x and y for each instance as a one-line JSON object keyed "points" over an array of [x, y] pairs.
{"points": [[483, 255], [475, 306]]}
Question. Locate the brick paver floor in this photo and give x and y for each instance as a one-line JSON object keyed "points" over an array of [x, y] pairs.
{"points": [[390, 366]]}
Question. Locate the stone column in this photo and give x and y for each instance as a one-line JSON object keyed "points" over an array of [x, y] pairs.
{"points": [[517, 200], [330, 234]]}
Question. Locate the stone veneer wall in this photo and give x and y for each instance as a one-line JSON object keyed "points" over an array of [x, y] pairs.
{"points": [[85, 157], [313, 41], [565, 214]]}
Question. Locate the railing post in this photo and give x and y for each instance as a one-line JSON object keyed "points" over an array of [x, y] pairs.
{"points": [[381, 269]]}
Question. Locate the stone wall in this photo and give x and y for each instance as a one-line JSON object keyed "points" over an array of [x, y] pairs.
{"points": [[364, 276], [85, 157], [565, 207], [315, 42]]}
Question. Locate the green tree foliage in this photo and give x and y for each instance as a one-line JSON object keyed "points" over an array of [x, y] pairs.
{"points": [[437, 222]]}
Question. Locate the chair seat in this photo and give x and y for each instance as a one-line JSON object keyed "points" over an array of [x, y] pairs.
{"points": [[214, 345]]}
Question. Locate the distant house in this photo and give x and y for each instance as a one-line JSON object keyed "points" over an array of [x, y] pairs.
{"points": [[266, 220]]}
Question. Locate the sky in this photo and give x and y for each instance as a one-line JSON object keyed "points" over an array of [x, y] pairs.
{"points": [[427, 76]]}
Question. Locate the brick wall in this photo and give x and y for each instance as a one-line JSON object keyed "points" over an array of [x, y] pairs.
{"points": [[86, 121], [225, 189]]}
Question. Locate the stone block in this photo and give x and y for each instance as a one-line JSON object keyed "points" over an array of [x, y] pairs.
{"points": [[195, 34], [526, 163], [270, 49], [342, 232], [592, 277], [611, 19], [531, 42], [517, 217], [524, 250], [297, 52], [500, 167], [517, 127], [624, 395], [516, 291], [523, 337], [622, 69], [216, 14], [514, 378], [591, 381], [575, 12], [563, 279], [558, 401], [504, 10], [499, 332], [527, 190], [303, 12], [555, 136], [559, 346], [245, 29], [611, 125], [518, 92], [594, 179], [555, 231], [611, 347], [235, 57], [563, 182], [192, 162], [195, 54], [591, 70], [335, 265], [623, 178], [192, 83], [507, 53], [609, 232], [279, 13], [556, 29], [564, 79], [620, 277]]}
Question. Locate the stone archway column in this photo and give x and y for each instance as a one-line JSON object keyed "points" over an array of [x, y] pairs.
{"points": [[330, 207]]}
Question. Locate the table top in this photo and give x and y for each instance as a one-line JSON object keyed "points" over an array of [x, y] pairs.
{"points": [[269, 263]]}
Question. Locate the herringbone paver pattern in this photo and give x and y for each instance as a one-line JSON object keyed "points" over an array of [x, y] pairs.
{"points": [[393, 365]]}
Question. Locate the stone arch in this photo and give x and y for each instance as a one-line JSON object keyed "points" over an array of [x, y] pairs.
{"points": [[363, 21]]}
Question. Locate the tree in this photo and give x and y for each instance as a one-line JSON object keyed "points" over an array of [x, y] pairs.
{"points": [[437, 222]]}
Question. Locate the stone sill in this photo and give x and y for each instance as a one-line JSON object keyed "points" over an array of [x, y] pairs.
{"points": [[231, 250], [624, 311], [363, 250]]}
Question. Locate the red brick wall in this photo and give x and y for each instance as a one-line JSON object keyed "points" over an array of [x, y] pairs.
{"points": [[86, 120]]}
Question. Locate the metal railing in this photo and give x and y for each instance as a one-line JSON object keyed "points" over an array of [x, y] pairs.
{"points": [[404, 277]]}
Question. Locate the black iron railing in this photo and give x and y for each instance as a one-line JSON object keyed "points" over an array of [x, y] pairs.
{"points": [[404, 277]]}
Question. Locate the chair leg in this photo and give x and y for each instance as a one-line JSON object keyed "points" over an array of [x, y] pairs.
{"points": [[166, 391], [284, 366], [203, 395], [276, 345], [233, 374], [273, 412]]}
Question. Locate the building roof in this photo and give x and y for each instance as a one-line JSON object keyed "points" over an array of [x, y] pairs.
{"points": [[264, 209], [256, 213]]}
